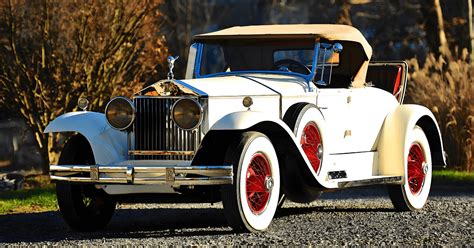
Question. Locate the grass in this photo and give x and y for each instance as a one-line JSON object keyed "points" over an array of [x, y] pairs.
{"points": [[453, 176], [39, 198]]}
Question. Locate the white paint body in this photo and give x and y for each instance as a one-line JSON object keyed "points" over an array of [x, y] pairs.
{"points": [[358, 136]]}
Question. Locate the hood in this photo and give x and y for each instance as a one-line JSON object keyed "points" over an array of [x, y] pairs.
{"points": [[229, 86]]}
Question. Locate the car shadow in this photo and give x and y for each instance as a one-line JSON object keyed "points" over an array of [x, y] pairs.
{"points": [[126, 223], [438, 189], [291, 211], [181, 222]]}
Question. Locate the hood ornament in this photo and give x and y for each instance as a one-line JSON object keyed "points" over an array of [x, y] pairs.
{"points": [[171, 61]]}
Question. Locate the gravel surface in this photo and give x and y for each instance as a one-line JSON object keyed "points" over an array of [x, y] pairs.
{"points": [[361, 216]]}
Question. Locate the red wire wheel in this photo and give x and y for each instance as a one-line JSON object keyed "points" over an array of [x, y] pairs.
{"points": [[258, 183], [311, 143], [416, 175]]}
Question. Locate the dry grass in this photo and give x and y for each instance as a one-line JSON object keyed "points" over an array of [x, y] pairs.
{"points": [[447, 88]]}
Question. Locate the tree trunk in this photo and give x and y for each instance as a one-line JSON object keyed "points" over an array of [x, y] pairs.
{"points": [[344, 12], [443, 42], [471, 34], [434, 27]]}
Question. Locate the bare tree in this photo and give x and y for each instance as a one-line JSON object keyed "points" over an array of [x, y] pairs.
{"points": [[52, 52]]}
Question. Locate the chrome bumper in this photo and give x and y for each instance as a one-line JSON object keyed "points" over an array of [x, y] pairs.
{"points": [[158, 175]]}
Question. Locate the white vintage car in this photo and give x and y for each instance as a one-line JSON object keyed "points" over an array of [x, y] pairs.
{"points": [[265, 113]]}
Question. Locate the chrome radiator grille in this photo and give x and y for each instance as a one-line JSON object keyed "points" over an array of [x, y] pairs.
{"points": [[155, 133]]}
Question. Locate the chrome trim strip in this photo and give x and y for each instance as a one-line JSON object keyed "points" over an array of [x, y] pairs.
{"points": [[149, 181], [165, 153], [170, 175], [164, 97], [372, 181]]}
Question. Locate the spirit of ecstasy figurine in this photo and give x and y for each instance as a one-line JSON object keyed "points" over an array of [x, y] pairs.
{"points": [[171, 61]]}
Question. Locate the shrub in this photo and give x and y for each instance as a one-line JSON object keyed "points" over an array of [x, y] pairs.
{"points": [[447, 88]]}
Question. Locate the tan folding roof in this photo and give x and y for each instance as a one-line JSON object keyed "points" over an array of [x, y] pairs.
{"points": [[332, 32]]}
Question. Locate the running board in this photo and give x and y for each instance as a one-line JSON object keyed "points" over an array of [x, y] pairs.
{"points": [[372, 181]]}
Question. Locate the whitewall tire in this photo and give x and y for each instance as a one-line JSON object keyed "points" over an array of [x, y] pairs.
{"points": [[413, 194], [251, 202]]}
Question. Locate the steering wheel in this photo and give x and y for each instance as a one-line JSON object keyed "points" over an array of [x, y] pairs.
{"points": [[293, 65]]}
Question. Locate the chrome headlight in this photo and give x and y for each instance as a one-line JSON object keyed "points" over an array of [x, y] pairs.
{"points": [[120, 113], [187, 113]]}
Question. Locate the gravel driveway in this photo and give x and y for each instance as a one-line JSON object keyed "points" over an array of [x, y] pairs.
{"points": [[361, 216]]}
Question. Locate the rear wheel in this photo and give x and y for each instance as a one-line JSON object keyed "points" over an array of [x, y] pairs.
{"points": [[83, 206], [251, 201], [413, 194]]}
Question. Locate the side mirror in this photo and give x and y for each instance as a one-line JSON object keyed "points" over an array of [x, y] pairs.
{"points": [[337, 48]]}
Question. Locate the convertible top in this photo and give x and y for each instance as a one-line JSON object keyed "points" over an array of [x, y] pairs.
{"points": [[332, 32]]}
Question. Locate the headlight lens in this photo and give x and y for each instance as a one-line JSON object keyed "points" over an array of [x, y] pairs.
{"points": [[120, 113], [187, 113]]}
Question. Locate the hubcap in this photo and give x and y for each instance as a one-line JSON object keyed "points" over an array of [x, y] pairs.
{"points": [[425, 168], [312, 145], [417, 168], [320, 152], [259, 183], [268, 183]]}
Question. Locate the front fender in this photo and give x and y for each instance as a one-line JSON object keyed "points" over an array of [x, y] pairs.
{"points": [[108, 145], [394, 144], [294, 164]]}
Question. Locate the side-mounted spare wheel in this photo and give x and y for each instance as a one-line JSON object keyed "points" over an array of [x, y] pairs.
{"points": [[83, 206], [251, 202], [413, 194], [303, 119]]}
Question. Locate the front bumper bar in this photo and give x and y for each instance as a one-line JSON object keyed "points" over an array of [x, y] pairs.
{"points": [[143, 175]]}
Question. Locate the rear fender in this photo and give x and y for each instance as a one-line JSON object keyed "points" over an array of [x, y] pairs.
{"points": [[108, 145], [393, 143]]}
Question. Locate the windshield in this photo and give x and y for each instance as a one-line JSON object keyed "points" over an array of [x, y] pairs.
{"points": [[235, 56]]}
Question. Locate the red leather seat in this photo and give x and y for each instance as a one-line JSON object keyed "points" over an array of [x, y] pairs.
{"points": [[386, 77]]}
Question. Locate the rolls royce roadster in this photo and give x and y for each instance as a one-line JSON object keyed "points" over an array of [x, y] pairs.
{"points": [[264, 113]]}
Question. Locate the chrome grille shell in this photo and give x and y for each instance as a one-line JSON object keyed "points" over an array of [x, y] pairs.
{"points": [[154, 130]]}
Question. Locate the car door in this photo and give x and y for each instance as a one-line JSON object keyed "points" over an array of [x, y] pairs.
{"points": [[367, 108], [334, 107]]}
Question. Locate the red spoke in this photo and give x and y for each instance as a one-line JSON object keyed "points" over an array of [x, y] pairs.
{"points": [[256, 184], [256, 188], [310, 142], [416, 175]]}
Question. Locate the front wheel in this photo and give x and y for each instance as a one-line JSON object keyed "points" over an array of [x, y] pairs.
{"points": [[84, 208], [413, 194], [251, 201]]}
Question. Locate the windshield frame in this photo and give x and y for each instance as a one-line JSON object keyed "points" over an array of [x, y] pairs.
{"points": [[307, 77]]}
